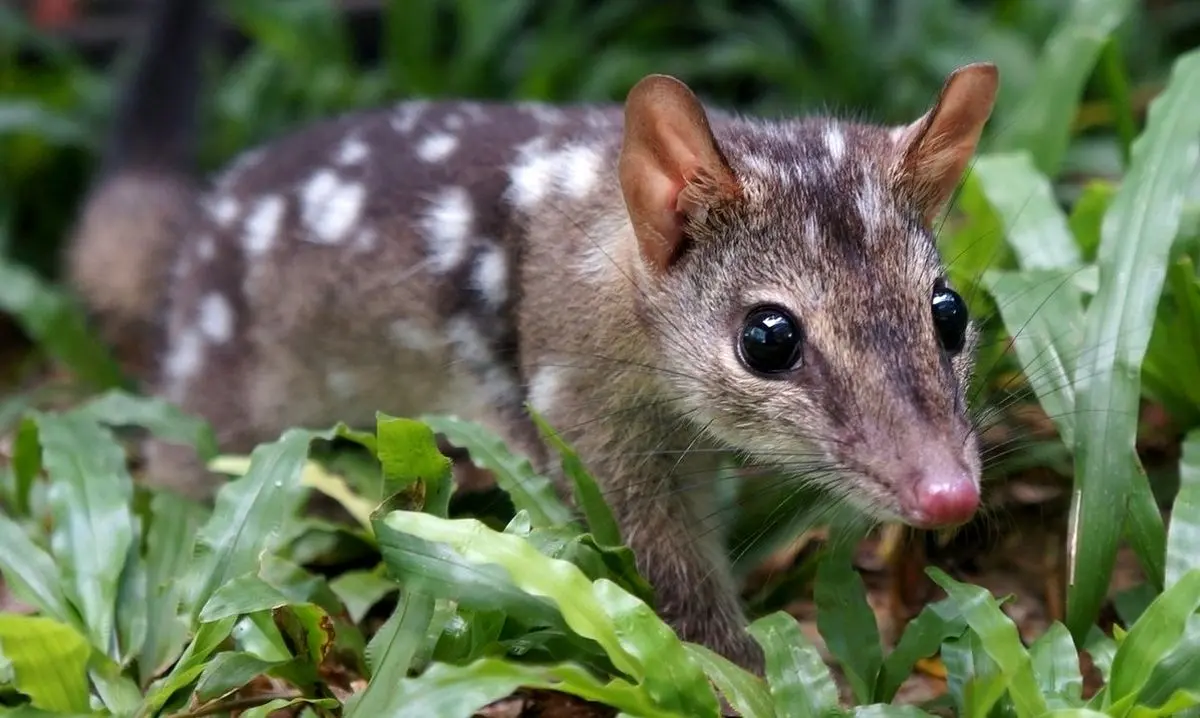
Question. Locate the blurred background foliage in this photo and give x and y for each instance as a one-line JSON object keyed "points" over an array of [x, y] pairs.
{"points": [[280, 63]]}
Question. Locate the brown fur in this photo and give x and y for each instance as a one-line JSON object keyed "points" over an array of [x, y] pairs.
{"points": [[617, 317]]}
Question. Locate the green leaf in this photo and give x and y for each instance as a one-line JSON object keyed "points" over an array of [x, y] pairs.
{"points": [[1056, 666], [1171, 369], [1041, 122], [1178, 671], [90, 493], [240, 596], [229, 671], [249, 515], [633, 638], [799, 681], [408, 453], [272, 708], [190, 666], [56, 325], [588, 496], [746, 693], [936, 623], [163, 419], [31, 574], [1136, 239], [529, 491], [49, 662], [391, 653], [885, 711], [449, 691], [974, 681], [359, 591], [1000, 639], [1087, 215], [170, 540], [846, 620], [1022, 197], [1155, 634], [1183, 536]]}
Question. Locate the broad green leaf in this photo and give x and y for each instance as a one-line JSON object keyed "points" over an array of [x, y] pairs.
{"points": [[408, 453], [846, 620], [359, 591], [163, 419], [1171, 369], [588, 496], [229, 671], [31, 574], [746, 693], [529, 491], [391, 652], [634, 639], [936, 623], [49, 662], [615, 563], [1041, 123], [26, 463], [1152, 638], [886, 711], [973, 679], [1179, 671], [170, 540], [1087, 215], [1137, 234], [120, 694], [249, 515], [1183, 536], [1000, 640], [56, 325], [449, 691], [799, 681], [208, 638], [272, 708], [90, 494], [1181, 705], [1022, 197], [132, 618], [1056, 667], [240, 596]]}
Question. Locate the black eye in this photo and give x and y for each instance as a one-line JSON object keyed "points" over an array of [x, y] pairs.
{"points": [[771, 340], [950, 319]]}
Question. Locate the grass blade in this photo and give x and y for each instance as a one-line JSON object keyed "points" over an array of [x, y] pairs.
{"points": [[169, 543], [799, 680], [1035, 226], [1041, 123], [391, 652], [1137, 234], [118, 408], [31, 574], [599, 516], [1183, 537], [1151, 639]]}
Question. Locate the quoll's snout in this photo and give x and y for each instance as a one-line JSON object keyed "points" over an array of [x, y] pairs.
{"points": [[941, 490]]}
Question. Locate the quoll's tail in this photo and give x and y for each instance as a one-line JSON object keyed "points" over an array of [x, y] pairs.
{"points": [[119, 254]]}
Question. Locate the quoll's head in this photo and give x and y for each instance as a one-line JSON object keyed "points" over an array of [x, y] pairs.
{"points": [[803, 315]]}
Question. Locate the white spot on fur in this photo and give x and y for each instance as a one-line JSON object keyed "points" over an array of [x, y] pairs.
{"points": [[206, 248], [408, 115], [225, 210], [447, 226], [366, 240], [835, 142], [216, 318], [183, 360], [262, 225], [870, 204], [352, 151], [437, 147], [897, 133], [453, 122], [407, 333], [542, 112], [573, 170], [491, 276], [545, 387], [342, 383], [471, 347], [330, 207]]}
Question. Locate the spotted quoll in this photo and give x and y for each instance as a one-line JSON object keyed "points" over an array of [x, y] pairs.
{"points": [[666, 284]]}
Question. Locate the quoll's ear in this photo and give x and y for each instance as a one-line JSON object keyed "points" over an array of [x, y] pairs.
{"points": [[933, 152], [670, 168]]}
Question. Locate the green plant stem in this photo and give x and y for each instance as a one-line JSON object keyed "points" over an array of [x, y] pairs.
{"points": [[1117, 82]]}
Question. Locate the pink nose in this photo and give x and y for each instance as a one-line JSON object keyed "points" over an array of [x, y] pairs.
{"points": [[944, 498]]}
